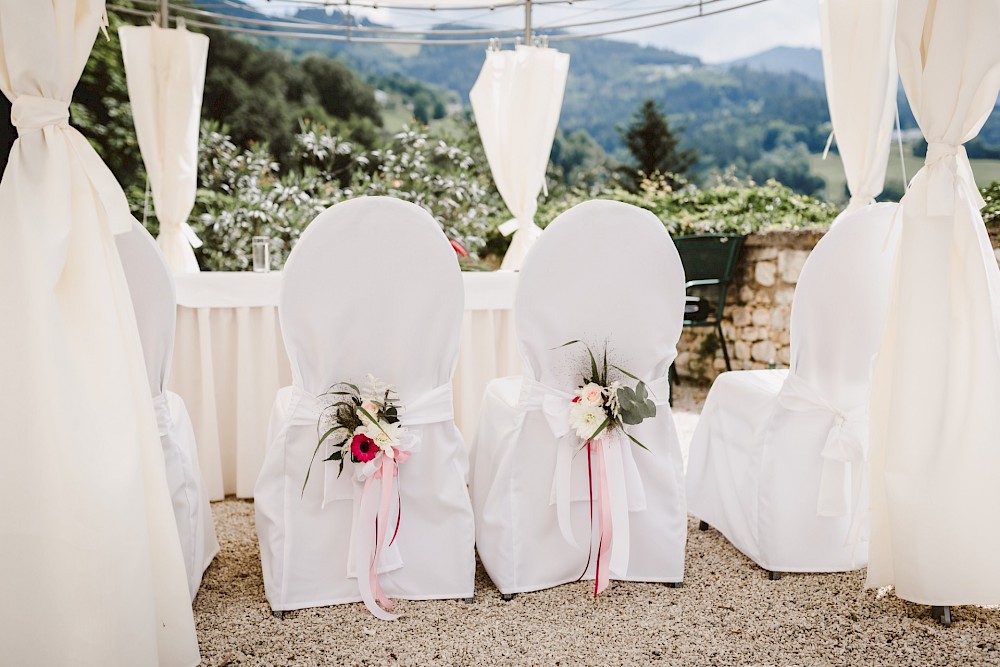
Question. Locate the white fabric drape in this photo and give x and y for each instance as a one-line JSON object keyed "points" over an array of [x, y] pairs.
{"points": [[935, 451], [860, 67], [165, 70], [516, 101], [92, 570]]}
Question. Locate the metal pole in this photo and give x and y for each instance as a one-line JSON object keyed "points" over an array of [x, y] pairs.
{"points": [[527, 22], [164, 13]]}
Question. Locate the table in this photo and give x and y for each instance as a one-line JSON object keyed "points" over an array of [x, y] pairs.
{"points": [[229, 362]]}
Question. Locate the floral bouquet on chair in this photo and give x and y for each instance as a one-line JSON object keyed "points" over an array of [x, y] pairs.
{"points": [[600, 405], [598, 413], [362, 426]]}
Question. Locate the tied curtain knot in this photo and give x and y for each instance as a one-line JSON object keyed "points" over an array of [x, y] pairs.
{"points": [[30, 113], [861, 200], [949, 177]]}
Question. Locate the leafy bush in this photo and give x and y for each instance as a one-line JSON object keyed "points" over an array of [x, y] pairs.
{"points": [[991, 212], [727, 205]]}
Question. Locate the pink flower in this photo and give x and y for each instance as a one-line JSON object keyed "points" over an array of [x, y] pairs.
{"points": [[592, 394], [363, 448]]}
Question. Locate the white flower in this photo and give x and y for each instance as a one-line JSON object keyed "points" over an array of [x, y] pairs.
{"points": [[592, 394], [585, 419], [385, 435]]}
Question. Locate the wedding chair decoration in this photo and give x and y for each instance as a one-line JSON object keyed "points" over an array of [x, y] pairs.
{"points": [[371, 290], [152, 290], [777, 463], [555, 503]]}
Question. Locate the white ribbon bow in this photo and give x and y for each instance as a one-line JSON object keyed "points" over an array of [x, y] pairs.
{"points": [[626, 490], [305, 409], [844, 453]]}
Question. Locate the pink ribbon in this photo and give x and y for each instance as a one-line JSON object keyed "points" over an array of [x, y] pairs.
{"points": [[605, 529], [370, 587]]}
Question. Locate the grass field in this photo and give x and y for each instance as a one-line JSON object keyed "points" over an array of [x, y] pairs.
{"points": [[832, 171]]}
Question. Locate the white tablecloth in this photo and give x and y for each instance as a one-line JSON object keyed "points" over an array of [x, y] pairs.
{"points": [[229, 361]]}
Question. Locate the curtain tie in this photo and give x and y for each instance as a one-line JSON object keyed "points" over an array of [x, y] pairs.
{"points": [[949, 176], [30, 113]]}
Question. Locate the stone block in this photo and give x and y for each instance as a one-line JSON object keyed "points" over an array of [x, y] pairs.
{"points": [[746, 294], [790, 264], [750, 334], [783, 295], [779, 317], [742, 350], [761, 317], [785, 356], [763, 351], [741, 317], [766, 252], [765, 273]]}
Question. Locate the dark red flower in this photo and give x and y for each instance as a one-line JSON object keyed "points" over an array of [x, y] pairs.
{"points": [[363, 448]]}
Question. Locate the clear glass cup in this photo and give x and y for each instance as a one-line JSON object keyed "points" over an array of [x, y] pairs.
{"points": [[261, 254]]}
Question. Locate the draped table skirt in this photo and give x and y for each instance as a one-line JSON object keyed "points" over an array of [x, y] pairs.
{"points": [[229, 362]]}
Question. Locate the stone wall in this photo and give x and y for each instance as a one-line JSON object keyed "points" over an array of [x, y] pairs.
{"points": [[757, 312], [758, 307]]}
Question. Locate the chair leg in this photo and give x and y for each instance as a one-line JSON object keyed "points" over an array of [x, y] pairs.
{"points": [[773, 576], [507, 597], [671, 381], [722, 342], [942, 615], [675, 584], [703, 525], [280, 615]]}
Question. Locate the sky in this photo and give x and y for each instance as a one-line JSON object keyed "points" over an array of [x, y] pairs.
{"points": [[719, 38]]}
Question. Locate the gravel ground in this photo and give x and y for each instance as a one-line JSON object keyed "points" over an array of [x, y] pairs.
{"points": [[727, 613]]}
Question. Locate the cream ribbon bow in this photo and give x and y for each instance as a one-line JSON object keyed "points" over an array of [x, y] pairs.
{"points": [[844, 453], [626, 490]]}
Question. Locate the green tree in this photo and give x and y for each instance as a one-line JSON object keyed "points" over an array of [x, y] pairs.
{"points": [[654, 147]]}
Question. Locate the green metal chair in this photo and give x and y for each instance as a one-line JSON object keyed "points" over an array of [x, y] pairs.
{"points": [[709, 262]]}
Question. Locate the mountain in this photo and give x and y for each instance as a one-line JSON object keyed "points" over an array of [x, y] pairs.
{"points": [[783, 60]]}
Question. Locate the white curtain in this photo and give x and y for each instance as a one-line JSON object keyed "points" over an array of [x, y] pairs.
{"points": [[165, 70], [516, 101], [860, 68], [935, 451], [91, 571]]}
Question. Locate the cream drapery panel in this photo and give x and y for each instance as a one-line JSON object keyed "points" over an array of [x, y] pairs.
{"points": [[516, 101], [860, 67], [165, 70], [935, 449], [92, 571]]}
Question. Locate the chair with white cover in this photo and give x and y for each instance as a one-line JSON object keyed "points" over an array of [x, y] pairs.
{"points": [[777, 462], [602, 271], [151, 287], [372, 287]]}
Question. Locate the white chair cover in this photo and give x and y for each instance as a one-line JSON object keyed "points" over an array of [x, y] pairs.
{"points": [[153, 298], [371, 287], [935, 450], [602, 271], [777, 461], [92, 571]]}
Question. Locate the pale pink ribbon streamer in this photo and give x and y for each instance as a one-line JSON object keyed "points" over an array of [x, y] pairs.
{"points": [[373, 531]]}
